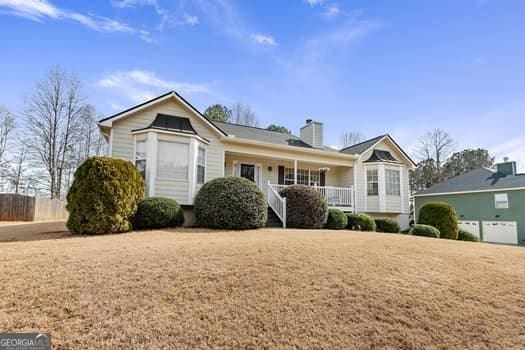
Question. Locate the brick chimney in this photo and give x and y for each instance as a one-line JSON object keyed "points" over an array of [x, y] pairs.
{"points": [[312, 133]]}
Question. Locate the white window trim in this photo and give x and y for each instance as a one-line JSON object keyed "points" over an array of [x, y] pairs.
{"points": [[258, 180], [197, 164], [386, 184], [367, 169], [501, 204]]}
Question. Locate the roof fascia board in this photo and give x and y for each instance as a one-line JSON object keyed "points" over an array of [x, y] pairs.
{"points": [[472, 191], [108, 122]]}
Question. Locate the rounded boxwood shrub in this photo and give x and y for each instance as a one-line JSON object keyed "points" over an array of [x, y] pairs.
{"points": [[424, 230], [442, 216], [361, 222], [305, 207], [158, 212], [104, 196], [387, 225], [337, 219], [230, 203], [467, 236]]}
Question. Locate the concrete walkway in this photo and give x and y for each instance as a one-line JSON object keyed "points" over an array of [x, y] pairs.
{"points": [[32, 231]]}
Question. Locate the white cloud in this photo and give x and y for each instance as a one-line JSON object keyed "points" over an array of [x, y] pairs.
{"points": [[140, 85], [38, 10], [190, 20], [264, 39], [314, 2], [319, 47], [514, 149], [332, 11], [133, 3]]}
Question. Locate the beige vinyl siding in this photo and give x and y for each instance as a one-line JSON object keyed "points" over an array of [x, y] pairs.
{"points": [[345, 177], [123, 145], [372, 204]]}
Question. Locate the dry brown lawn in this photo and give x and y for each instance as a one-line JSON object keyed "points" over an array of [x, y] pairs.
{"points": [[265, 289]]}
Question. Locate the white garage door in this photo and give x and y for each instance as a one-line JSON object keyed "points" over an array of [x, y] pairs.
{"points": [[500, 232], [470, 226]]}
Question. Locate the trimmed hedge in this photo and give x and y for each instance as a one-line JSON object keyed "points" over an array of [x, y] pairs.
{"points": [[104, 196], [387, 225], [467, 236], [424, 230], [158, 212], [361, 222], [442, 216], [305, 207], [230, 203], [337, 219]]}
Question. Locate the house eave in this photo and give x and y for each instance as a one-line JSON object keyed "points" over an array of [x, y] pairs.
{"points": [[304, 150]]}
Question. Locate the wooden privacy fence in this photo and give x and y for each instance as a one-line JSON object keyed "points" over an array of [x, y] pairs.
{"points": [[17, 207]]}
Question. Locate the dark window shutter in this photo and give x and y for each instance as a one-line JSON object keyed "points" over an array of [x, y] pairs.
{"points": [[280, 178], [322, 178]]}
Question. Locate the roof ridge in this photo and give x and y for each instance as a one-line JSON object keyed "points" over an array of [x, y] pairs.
{"points": [[255, 127]]}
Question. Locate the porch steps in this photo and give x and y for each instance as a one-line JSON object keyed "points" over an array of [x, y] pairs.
{"points": [[273, 219]]}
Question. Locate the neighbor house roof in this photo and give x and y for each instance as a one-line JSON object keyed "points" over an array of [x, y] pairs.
{"points": [[482, 179], [259, 134]]}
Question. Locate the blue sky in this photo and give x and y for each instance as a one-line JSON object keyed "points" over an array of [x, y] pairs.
{"points": [[401, 67]]}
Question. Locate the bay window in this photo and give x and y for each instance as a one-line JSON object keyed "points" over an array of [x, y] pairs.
{"points": [[172, 161], [393, 185]]}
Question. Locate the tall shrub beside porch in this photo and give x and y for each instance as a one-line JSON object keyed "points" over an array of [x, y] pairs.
{"points": [[305, 207], [230, 203]]}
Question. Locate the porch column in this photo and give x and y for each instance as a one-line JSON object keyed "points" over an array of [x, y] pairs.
{"points": [[295, 171]]}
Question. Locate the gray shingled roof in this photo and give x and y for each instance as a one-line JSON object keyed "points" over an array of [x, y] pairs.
{"points": [[477, 180], [362, 146], [258, 134]]}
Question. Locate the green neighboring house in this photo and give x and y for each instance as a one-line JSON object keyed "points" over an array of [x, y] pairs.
{"points": [[489, 203]]}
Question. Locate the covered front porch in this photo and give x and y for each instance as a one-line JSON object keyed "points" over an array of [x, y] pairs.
{"points": [[334, 180]]}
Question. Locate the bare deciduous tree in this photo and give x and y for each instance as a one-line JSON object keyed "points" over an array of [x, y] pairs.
{"points": [[243, 115], [7, 125], [350, 138], [53, 119], [437, 145], [434, 149], [18, 167]]}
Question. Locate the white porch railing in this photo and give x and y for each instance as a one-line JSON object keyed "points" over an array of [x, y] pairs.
{"points": [[276, 202], [334, 196]]}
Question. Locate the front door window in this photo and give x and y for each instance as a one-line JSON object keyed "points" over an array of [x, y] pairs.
{"points": [[248, 171]]}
